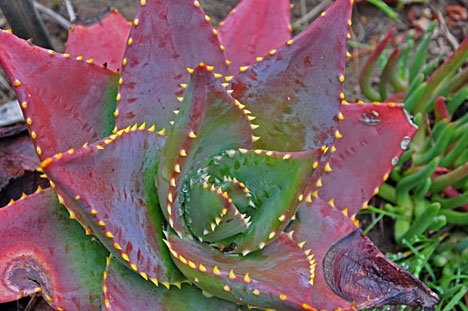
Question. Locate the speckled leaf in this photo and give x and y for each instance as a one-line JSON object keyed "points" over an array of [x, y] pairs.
{"points": [[124, 290], [112, 183], [276, 277], [295, 93], [104, 41], [350, 272], [167, 37], [43, 250], [66, 102], [374, 137], [252, 29], [276, 182], [209, 122]]}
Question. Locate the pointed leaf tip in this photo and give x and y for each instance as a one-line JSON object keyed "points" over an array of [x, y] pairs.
{"points": [[253, 29], [357, 271], [373, 137], [163, 52], [295, 91], [80, 102], [103, 41]]}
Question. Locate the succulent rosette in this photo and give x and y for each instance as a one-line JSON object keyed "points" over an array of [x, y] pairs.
{"points": [[225, 160]]}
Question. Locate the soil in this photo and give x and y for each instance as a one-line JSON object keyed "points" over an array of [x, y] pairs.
{"points": [[369, 25]]}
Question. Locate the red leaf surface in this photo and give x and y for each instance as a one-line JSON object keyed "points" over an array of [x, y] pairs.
{"points": [[66, 102], [167, 37], [350, 272], [374, 138], [295, 92], [277, 276], [124, 290], [208, 123], [112, 183], [103, 41], [44, 251], [252, 29]]}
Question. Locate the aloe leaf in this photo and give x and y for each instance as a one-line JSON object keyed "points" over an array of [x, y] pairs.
{"points": [[351, 273], [124, 290], [374, 138], [45, 252], [156, 50], [112, 183], [276, 277], [367, 69], [252, 29], [295, 92], [210, 214], [103, 41], [79, 105], [278, 183], [209, 121], [329, 226]]}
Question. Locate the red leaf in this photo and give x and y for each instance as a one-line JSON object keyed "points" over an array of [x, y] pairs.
{"points": [[66, 102], [125, 290], [295, 93], [374, 137], [351, 273], [168, 37], [112, 184], [43, 251], [103, 41], [277, 276], [254, 28]]}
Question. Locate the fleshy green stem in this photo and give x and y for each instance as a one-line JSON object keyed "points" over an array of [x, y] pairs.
{"points": [[439, 183]]}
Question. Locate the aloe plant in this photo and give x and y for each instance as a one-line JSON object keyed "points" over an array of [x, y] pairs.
{"points": [[190, 171]]}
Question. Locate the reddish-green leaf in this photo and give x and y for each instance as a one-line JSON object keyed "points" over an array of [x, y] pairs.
{"points": [[209, 122], [252, 29], [66, 102], [210, 213], [350, 273], [167, 37], [42, 250], [277, 183], [295, 92], [276, 277], [102, 41], [112, 184], [374, 138], [125, 290]]}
